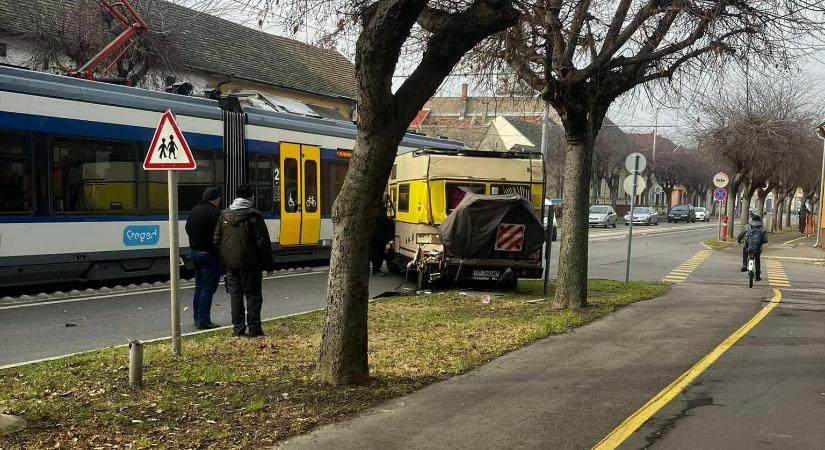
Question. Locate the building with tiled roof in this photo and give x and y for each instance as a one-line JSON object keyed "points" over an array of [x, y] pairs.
{"points": [[205, 51]]}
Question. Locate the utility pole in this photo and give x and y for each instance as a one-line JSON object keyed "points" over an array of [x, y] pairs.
{"points": [[821, 186]]}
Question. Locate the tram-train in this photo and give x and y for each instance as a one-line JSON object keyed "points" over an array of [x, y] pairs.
{"points": [[75, 203]]}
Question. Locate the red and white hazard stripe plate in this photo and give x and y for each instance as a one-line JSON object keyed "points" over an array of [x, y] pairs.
{"points": [[510, 237]]}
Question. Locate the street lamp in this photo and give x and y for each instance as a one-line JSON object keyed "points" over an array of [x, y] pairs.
{"points": [[821, 133]]}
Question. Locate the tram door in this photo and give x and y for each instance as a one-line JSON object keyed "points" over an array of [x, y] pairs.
{"points": [[300, 186]]}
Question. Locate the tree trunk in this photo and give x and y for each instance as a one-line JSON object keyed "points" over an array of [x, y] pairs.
{"points": [[343, 353], [761, 198], [731, 212], [571, 285], [744, 214], [789, 210], [614, 196]]}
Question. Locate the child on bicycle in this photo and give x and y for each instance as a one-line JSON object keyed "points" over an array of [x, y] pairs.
{"points": [[755, 236]]}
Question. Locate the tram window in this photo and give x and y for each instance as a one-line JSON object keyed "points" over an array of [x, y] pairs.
{"points": [[456, 193], [290, 180], [403, 198], [93, 176], [191, 184], [262, 174], [332, 184], [311, 186], [15, 174]]}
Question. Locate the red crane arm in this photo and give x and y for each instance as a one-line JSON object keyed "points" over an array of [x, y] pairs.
{"points": [[120, 10]]}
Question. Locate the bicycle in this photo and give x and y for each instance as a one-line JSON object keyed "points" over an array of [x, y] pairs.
{"points": [[751, 268]]}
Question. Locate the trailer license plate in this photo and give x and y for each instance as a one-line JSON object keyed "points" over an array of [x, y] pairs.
{"points": [[485, 274]]}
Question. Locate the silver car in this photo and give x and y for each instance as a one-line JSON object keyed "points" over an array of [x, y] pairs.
{"points": [[702, 214], [603, 216], [643, 216]]}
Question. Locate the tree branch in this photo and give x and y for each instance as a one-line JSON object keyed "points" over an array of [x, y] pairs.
{"points": [[454, 37]]}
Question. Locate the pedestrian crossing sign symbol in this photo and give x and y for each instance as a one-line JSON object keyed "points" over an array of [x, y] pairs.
{"points": [[169, 150], [510, 237]]}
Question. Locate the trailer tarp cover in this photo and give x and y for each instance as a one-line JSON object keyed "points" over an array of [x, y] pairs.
{"points": [[471, 229]]}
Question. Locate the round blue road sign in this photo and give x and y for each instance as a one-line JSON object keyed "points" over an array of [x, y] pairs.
{"points": [[720, 194]]}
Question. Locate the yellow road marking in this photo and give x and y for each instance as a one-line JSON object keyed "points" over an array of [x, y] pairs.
{"points": [[776, 274], [643, 414], [683, 271]]}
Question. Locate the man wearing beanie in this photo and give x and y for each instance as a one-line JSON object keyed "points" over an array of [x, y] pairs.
{"points": [[200, 226], [243, 240]]}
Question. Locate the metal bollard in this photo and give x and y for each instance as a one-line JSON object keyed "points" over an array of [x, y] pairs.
{"points": [[135, 363]]}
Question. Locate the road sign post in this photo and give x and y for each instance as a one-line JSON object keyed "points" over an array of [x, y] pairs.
{"points": [[635, 164], [720, 194], [169, 151]]}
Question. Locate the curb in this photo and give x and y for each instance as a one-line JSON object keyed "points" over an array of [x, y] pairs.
{"points": [[131, 289]]}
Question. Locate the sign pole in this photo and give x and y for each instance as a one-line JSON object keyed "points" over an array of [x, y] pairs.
{"points": [[635, 176], [170, 152], [174, 268]]}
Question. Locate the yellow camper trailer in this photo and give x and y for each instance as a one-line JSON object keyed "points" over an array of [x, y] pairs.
{"points": [[444, 191]]}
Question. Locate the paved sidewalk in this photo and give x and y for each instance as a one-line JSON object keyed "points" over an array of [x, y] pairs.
{"points": [[767, 391], [566, 391]]}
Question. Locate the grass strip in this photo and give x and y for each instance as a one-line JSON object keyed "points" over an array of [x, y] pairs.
{"points": [[719, 245], [229, 392]]}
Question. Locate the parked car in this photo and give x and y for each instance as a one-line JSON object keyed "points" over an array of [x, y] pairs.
{"points": [[603, 216], [643, 216], [682, 213], [702, 214]]}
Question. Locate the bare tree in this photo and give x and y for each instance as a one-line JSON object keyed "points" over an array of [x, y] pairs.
{"points": [[764, 135], [610, 149], [671, 170], [67, 33], [440, 33], [582, 55]]}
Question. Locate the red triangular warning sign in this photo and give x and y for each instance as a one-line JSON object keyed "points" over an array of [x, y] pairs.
{"points": [[169, 150]]}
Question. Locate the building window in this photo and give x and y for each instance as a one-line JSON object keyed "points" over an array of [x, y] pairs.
{"points": [[403, 198], [93, 176], [16, 192]]}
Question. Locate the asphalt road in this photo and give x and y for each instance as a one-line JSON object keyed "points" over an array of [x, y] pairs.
{"points": [[571, 390], [42, 330], [767, 391]]}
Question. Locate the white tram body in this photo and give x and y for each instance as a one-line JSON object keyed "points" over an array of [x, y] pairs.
{"points": [[75, 203]]}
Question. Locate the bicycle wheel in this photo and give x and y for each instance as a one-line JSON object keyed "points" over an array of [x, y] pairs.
{"points": [[750, 279]]}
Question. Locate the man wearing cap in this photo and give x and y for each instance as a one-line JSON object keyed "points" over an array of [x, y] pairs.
{"points": [[200, 226], [243, 240]]}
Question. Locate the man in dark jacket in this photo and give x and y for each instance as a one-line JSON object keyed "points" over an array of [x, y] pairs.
{"points": [[246, 250], [803, 215], [755, 236], [384, 229], [200, 226]]}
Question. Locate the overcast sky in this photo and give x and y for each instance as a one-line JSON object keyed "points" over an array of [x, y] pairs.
{"points": [[635, 113]]}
